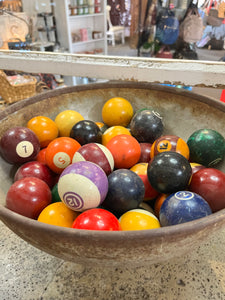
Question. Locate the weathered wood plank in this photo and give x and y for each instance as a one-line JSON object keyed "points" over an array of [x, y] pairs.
{"points": [[185, 72]]}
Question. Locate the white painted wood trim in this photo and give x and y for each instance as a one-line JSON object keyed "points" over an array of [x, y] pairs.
{"points": [[185, 72]]}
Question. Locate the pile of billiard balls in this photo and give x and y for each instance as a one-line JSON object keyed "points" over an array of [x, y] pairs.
{"points": [[118, 173]]}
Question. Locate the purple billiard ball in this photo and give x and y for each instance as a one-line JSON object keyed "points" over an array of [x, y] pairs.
{"points": [[19, 145], [83, 185], [181, 207]]}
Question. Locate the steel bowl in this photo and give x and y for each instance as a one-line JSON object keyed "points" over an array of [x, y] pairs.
{"points": [[183, 112]]}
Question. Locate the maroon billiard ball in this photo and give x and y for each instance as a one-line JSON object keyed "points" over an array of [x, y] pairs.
{"points": [[19, 145], [96, 153], [28, 197], [210, 184], [145, 152], [36, 169]]}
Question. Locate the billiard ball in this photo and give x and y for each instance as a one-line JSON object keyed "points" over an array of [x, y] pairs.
{"points": [[83, 185], [169, 172], [117, 111], [102, 126], [144, 205], [55, 194], [45, 129], [158, 203], [141, 170], [97, 219], [182, 207], [138, 219], [19, 145], [125, 150], [35, 169], [210, 184], [146, 126], [60, 152], [66, 119], [97, 154], [58, 214], [170, 143], [86, 131], [196, 167], [125, 191], [113, 131], [207, 147], [41, 156], [28, 197], [145, 152]]}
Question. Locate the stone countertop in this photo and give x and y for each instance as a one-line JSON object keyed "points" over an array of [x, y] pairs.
{"points": [[27, 273]]}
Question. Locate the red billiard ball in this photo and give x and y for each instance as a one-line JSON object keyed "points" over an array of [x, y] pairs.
{"points": [[97, 154], [28, 197], [210, 184], [97, 219], [19, 145], [125, 149], [36, 169], [41, 156]]}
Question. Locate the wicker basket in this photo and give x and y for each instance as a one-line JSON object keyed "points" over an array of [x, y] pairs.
{"points": [[13, 93]]}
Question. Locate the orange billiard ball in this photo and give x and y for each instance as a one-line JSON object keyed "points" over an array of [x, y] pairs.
{"points": [[45, 129], [170, 143], [60, 152]]}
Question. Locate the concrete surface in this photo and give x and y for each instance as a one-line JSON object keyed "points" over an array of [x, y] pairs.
{"points": [[27, 273]]}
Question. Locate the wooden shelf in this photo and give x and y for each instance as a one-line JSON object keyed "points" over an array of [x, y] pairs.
{"points": [[87, 42], [86, 15]]}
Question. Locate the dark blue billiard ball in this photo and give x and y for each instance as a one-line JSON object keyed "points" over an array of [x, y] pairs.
{"points": [[126, 191], [181, 207]]}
